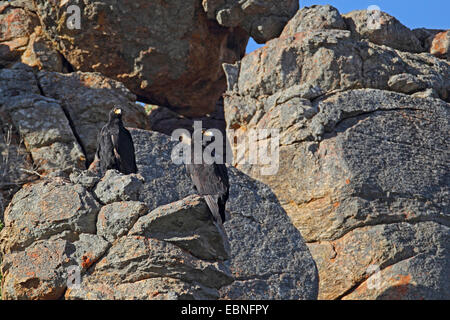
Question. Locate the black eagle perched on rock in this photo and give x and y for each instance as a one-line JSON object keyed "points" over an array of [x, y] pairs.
{"points": [[210, 180], [115, 148]]}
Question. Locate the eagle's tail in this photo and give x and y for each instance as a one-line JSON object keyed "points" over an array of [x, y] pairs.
{"points": [[215, 206]]}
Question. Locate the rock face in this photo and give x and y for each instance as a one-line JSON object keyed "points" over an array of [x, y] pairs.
{"points": [[21, 38], [310, 64], [362, 181], [155, 60], [87, 99], [363, 164], [36, 260], [440, 45], [263, 20], [40, 121], [155, 241], [50, 121], [71, 108], [268, 257], [383, 29]]}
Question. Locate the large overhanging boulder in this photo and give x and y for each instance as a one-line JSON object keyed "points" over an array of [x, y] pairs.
{"points": [[168, 53], [263, 20]]}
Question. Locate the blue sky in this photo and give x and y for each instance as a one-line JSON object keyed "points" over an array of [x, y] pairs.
{"points": [[431, 14]]}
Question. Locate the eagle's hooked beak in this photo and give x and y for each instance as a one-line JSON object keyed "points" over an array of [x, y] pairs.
{"points": [[118, 111]]}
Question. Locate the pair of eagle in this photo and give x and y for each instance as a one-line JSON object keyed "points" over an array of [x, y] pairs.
{"points": [[115, 150]]}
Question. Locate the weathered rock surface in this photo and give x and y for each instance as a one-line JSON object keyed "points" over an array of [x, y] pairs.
{"points": [[363, 166], [21, 38], [382, 29], [315, 18], [13, 159], [417, 269], [153, 247], [168, 223], [151, 288], [16, 26], [154, 60], [310, 64], [116, 219], [115, 187], [40, 121], [268, 257], [362, 104], [52, 227], [165, 121], [87, 98], [50, 121], [363, 170], [44, 209], [440, 46], [263, 20], [41, 270]]}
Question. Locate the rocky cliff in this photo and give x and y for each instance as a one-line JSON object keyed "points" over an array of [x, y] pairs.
{"points": [[358, 208], [364, 148]]}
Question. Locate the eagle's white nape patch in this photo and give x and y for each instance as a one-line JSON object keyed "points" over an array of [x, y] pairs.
{"points": [[208, 133], [186, 139]]}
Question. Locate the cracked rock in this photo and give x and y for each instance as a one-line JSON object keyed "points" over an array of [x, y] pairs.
{"points": [[116, 187], [263, 20], [116, 219], [51, 207], [159, 58], [383, 29], [188, 224]]}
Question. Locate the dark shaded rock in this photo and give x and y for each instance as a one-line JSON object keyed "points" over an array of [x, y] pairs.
{"points": [[116, 219], [115, 187], [197, 234], [87, 99], [263, 20], [426, 36], [44, 209], [265, 247], [41, 270], [154, 60]]}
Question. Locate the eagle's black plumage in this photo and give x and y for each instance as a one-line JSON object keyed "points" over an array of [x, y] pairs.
{"points": [[115, 148], [211, 181]]}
